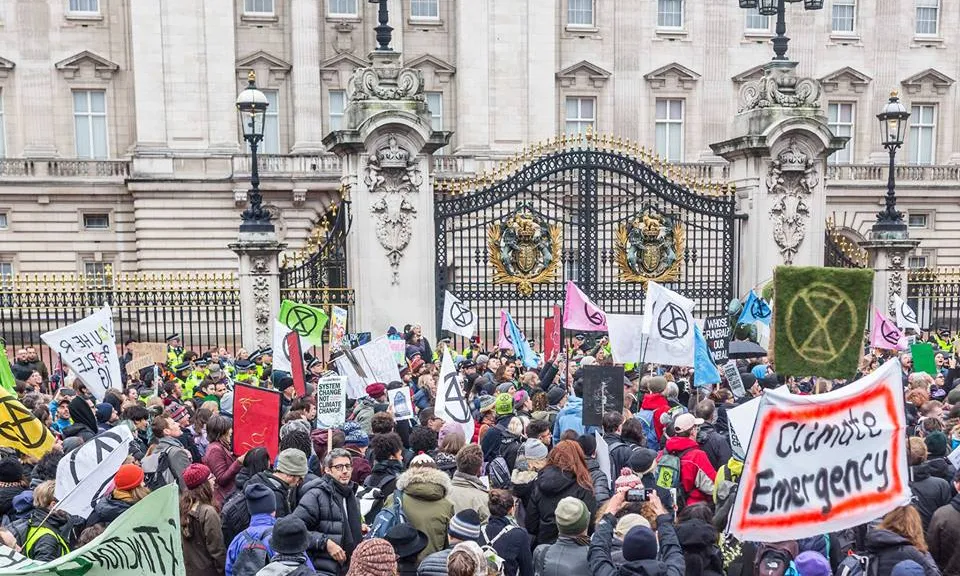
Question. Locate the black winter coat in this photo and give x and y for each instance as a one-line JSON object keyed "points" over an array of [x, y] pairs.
{"points": [[929, 492], [322, 508], [551, 486], [619, 454], [381, 471], [715, 444], [941, 468], [435, 564], [7, 494], [107, 510], [891, 548], [47, 548], [669, 563], [700, 551], [236, 517], [943, 535], [512, 545], [601, 484]]}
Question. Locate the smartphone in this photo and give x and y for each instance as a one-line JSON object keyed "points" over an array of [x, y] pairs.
{"points": [[639, 494]]}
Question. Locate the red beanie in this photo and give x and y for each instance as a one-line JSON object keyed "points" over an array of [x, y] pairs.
{"points": [[128, 477], [195, 475]]}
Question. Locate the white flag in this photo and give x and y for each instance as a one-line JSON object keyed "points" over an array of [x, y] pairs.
{"points": [[457, 318], [90, 349], [281, 354], [85, 474], [668, 325], [626, 337], [452, 403], [906, 316]]}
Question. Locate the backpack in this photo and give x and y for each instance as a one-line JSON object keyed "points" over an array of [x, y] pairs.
{"points": [[499, 473], [646, 421], [668, 476], [387, 518], [159, 474], [772, 559], [371, 497], [281, 568], [858, 565], [612, 448], [487, 541], [254, 554]]}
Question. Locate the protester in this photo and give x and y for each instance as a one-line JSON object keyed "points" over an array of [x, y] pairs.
{"points": [[943, 534], [425, 503], [464, 527], [289, 542], [204, 552], [283, 482], [408, 543], [172, 458], [600, 478], [219, 457], [565, 475], [510, 541], [929, 492], [900, 537], [45, 533], [128, 489], [643, 551], [567, 553], [696, 472], [467, 491], [250, 550]]}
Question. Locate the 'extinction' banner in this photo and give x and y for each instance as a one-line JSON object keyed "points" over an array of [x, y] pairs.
{"points": [[818, 464]]}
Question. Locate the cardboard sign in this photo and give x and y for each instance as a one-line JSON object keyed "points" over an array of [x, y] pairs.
{"points": [[372, 362], [824, 463], [716, 331], [156, 351], [602, 392], [401, 400], [732, 374], [137, 364], [256, 419], [331, 401]]}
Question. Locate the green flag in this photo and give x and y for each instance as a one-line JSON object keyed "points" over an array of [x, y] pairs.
{"points": [[306, 321], [6, 375], [819, 320]]}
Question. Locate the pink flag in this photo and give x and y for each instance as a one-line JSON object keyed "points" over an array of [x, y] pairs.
{"points": [[579, 313], [504, 342], [885, 334]]}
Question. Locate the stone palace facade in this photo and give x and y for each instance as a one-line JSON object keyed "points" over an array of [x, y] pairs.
{"points": [[120, 146]]}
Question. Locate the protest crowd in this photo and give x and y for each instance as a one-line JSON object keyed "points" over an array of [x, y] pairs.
{"points": [[536, 476]]}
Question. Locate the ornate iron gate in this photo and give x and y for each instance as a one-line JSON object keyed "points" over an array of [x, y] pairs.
{"points": [[606, 215]]}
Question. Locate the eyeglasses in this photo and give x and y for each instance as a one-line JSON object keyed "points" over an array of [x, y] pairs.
{"points": [[341, 467]]}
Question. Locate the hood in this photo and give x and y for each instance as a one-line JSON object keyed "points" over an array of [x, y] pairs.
{"points": [[879, 539], [552, 480], [389, 466], [574, 406], [920, 472], [705, 430], [654, 402], [467, 481], [643, 568], [695, 534], [81, 413], [678, 444], [424, 483], [955, 502], [522, 477], [940, 467]]}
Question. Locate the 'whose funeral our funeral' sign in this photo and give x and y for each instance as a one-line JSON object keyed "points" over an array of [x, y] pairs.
{"points": [[818, 464]]}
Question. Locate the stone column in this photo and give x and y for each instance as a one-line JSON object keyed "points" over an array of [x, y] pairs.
{"points": [[777, 162], [888, 257], [386, 148], [259, 268], [307, 94]]}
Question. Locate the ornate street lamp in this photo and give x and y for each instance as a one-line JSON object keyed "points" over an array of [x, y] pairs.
{"points": [[893, 129], [252, 106], [383, 29], [778, 8]]}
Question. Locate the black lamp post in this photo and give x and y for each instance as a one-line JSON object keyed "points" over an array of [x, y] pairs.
{"points": [[778, 8], [893, 129], [252, 106], [384, 30]]}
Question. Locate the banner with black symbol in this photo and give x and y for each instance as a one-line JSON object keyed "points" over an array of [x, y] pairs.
{"points": [[85, 474], [452, 404], [457, 318], [602, 392], [668, 327]]}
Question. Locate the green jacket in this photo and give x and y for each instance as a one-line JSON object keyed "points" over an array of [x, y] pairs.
{"points": [[426, 506]]}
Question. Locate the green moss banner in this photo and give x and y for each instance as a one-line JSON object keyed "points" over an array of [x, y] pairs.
{"points": [[819, 318]]}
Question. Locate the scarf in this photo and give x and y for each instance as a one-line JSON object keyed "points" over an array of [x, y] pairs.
{"points": [[352, 536]]}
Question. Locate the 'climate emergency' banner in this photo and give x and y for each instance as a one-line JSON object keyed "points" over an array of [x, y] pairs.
{"points": [[818, 464]]}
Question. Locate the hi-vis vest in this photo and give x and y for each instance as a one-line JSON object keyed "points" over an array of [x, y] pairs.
{"points": [[35, 533]]}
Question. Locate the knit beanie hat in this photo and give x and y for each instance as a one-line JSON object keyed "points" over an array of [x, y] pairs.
{"points": [[505, 388], [812, 563], [104, 411], [290, 536], [475, 552], [639, 543], [292, 461], [936, 444], [422, 461], [571, 516], [374, 557], [11, 470], [628, 521], [465, 525], [627, 480], [642, 461], [534, 449], [487, 403], [195, 475], [520, 397], [298, 424], [260, 499], [504, 404], [128, 477], [449, 428], [354, 434], [953, 397]]}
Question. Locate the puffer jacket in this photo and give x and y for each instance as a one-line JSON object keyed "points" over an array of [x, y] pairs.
{"points": [[696, 472], [426, 506], [928, 492], [942, 468], [601, 484], [891, 548], [106, 510], [325, 508], [700, 551], [715, 444], [669, 561], [553, 485], [943, 535], [467, 491], [435, 564], [9, 491], [566, 556]]}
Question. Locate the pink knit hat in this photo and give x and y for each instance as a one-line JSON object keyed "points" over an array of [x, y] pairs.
{"points": [[628, 480]]}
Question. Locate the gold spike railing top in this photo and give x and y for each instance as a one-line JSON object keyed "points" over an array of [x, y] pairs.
{"points": [[941, 275], [848, 248], [67, 283], [585, 140]]}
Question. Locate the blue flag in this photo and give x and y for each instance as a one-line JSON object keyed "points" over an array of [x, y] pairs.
{"points": [[755, 309], [520, 345], [704, 370]]}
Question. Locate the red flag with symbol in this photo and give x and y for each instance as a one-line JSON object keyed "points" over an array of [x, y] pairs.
{"points": [[256, 419], [551, 332]]}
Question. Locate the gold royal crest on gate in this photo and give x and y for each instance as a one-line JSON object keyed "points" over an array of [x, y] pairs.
{"points": [[524, 249], [650, 247]]}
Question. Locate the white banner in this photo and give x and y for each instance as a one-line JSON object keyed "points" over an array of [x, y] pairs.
{"points": [[331, 401], [603, 449], [668, 325], [626, 337], [281, 352], [457, 318], [90, 349], [364, 365], [86, 474], [906, 316], [824, 463], [401, 400], [451, 404]]}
